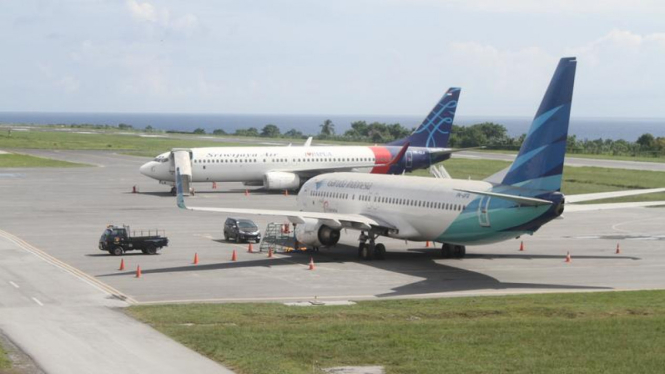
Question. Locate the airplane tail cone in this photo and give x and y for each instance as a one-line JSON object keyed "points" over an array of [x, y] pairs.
{"points": [[138, 271], [250, 249], [196, 259], [122, 264], [568, 258], [618, 249], [311, 263], [234, 256], [521, 246]]}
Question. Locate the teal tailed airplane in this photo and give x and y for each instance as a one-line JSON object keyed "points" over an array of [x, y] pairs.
{"points": [[453, 212]]}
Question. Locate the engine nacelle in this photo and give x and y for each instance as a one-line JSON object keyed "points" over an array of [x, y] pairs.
{"points": [[313, 233], [279, 180]]}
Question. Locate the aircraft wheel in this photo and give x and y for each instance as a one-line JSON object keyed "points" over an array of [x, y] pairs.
{"points": [[459, 251], [174, 191], [446, 251], [380, 252]]}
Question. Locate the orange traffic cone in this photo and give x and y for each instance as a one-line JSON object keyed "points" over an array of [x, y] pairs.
{"points": [[521, 246], [138, 271], [122, 264], [311, 263], [568, 259], [618, 249], [427, 244], [246, 192], [196, 259], [134, 189], [250, 249], [270, 252], [286, 192], [214, 185], [234, 256]]}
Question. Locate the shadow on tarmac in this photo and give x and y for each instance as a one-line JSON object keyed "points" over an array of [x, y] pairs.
{"points": [[420, 263]]}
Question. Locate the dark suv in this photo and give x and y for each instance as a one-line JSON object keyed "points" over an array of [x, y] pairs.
{"points": [[241, 230]]}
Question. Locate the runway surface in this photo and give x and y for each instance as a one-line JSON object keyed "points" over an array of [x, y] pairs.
{"points": [[63, 212]]}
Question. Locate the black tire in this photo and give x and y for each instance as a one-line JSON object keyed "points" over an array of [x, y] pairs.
{"points": [[174, 191], [145, 251], [117, 251], [459, 251], [380, 252], [151, 249], [446, 251], [237, 238]]}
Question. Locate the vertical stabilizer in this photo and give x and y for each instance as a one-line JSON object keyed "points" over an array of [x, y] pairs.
{"points": [[434, 131], [539, 164]]}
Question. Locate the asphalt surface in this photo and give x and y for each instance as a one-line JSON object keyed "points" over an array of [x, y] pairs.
{"points": [[63, 212]]}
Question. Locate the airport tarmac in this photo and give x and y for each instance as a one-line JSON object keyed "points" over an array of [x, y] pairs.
{"points": [[64, 211]]}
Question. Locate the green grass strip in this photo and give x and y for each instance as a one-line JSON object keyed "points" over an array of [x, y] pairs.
{"points": [[26, 161], [609, 332]]}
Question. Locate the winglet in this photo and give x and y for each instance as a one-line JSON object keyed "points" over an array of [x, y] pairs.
{"points": [[178, 185], [308, 142], [399, 156]]}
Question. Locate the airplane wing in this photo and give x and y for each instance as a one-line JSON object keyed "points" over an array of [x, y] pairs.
{"points": [[609, 195], [571, 200], [337, 220], [532, 201], [572, 208]]}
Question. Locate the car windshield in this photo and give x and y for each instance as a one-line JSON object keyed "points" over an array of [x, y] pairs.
{"points": [[106, 233], [247, 225]]}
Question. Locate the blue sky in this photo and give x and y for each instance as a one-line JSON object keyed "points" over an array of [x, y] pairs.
{"points": [[388, 57]]}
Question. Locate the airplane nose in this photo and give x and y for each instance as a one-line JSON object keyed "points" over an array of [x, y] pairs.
{"points": [[148, 169]]}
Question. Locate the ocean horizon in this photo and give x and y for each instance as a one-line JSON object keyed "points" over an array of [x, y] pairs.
{"points": [[582, 127]]}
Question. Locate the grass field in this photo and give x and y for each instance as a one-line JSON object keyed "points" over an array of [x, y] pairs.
{"points": [[26, 161], [592, 156], [613, 332], [129, 144], [4, 360], [576, 180]]}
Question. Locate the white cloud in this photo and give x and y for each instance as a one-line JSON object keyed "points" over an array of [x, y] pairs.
{"points": [[162, 17]]}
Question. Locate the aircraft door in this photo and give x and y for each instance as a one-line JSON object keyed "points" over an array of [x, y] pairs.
{"points": [[484, 211], [182, 159]]}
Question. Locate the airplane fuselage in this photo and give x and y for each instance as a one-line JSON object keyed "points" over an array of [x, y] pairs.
{"points": [[250, 164], [419, 208]]}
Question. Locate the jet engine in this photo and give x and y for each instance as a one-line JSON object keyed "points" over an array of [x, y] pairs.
{"points": [[316, 234], [279, 180]]}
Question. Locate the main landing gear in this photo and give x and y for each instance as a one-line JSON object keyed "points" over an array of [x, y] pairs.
{"points": [[372, 250], [453, 251]]}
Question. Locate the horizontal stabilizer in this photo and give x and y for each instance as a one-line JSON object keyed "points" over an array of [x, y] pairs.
{"points": [[531, 201], [571, 208], [609, 195]]}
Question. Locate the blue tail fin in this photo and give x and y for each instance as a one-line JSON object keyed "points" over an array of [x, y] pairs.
{"points": [[539, 164], [434, 132]]}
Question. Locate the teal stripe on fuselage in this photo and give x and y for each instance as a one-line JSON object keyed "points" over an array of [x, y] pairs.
{"points": [[503, 215]]}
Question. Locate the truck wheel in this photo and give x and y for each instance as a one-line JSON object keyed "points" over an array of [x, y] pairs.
{"points": [[152, 250], [117, 251]]}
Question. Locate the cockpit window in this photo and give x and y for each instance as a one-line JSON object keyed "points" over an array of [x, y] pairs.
{"points": [[164, 157]]}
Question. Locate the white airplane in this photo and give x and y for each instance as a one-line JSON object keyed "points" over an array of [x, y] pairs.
{"points": [[287, 168], [456, 213]]}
